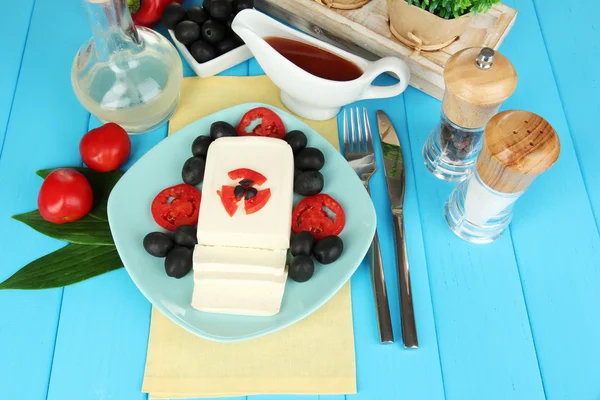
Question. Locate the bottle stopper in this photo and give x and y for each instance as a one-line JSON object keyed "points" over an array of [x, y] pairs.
{"points": [[517, 147], [478, 80]]}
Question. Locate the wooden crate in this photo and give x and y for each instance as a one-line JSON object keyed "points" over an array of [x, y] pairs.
{"points": [[365, 32]]}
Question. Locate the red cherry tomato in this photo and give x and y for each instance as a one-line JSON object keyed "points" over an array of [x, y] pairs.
{"points": [[310, 215], [271, 125], [177, 205], [228, 199], [65, 196], [257, 202], [105, 148], [246, 173]]}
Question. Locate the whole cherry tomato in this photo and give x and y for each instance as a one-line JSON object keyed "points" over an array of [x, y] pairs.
{"points": [[105, 148], [65, 196]]}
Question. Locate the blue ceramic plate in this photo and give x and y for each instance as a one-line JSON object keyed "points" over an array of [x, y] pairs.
{"points": [[130, 220]]}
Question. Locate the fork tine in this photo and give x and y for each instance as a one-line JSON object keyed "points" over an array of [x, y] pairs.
{"points": [[359, 141], [368, 137], [353, 130], [346, 143]]}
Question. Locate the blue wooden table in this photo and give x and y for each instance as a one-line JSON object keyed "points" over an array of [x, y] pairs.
{"points": [[517, 319]]}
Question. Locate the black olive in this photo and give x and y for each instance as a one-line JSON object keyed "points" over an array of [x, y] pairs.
{"points": [[227, 44], [309, 158], [297, 140], [179, 262], [220, 9], [302, 243], [246, 182], [206, 4], [229, 22], [202, 52], [196, 14], [213, 31], [239, 191], [200, 146], [158, 244], [193, 171], [308, 183], [239, 5], [301, 268], [187, 32], [221, 129], [328, 249], [250, 193], [185, 235], [172, 15]]}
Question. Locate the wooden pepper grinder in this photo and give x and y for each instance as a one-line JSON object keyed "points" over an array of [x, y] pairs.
{"points": [[478, 80], [517, 147]]}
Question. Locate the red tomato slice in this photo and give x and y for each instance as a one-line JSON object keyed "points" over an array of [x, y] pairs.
{"points": [[257, 202], [177, 205], [247, 173], [228, 199], [271, 125], [310, 215]]}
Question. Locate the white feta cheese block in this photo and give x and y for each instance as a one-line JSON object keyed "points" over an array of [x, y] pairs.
{"points": [[239, 294], [239, 260], [269, 228]]}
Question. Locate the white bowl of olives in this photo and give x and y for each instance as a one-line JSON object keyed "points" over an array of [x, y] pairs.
{"points": [[203, 35]]}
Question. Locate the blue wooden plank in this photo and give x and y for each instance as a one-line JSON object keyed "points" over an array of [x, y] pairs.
{"points": [[481, 315], [485, 344], [101, 341], [13, 35], [388, 372], [45, 121], [575, 69], [554, 233]]}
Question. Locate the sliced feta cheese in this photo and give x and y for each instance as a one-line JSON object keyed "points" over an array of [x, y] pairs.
{"points": [[239, 260], [269, 228], [240, 294]]}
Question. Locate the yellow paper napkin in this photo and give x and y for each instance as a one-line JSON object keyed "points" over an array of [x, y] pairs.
{"points": [[313, 356]]}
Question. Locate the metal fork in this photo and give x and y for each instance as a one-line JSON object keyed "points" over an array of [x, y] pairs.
{"points": [[358, 151]]}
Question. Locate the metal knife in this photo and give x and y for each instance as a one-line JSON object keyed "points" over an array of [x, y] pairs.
{"points": [[395, 177]]}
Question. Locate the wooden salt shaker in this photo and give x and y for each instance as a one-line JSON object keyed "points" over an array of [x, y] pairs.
{"points": [[517, 147], [478, 80]]}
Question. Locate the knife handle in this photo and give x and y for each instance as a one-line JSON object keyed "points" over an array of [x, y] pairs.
{"points": [[407, 312], [386, 334]]}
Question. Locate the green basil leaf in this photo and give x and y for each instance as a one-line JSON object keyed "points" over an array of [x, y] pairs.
{"points": [[101, 182], [71, 264], [87, 230]]}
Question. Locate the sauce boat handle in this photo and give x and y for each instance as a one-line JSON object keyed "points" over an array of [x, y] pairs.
{"points": [[392, 65]]}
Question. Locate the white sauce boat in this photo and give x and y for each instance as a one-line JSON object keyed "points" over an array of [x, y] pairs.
{"points": [[305, 94]]}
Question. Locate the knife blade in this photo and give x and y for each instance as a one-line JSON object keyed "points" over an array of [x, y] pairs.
{"points": [[395, 176]]}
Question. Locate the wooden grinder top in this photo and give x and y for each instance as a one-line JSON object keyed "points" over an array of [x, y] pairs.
{"points": [[478, 80], [517, 147]]}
